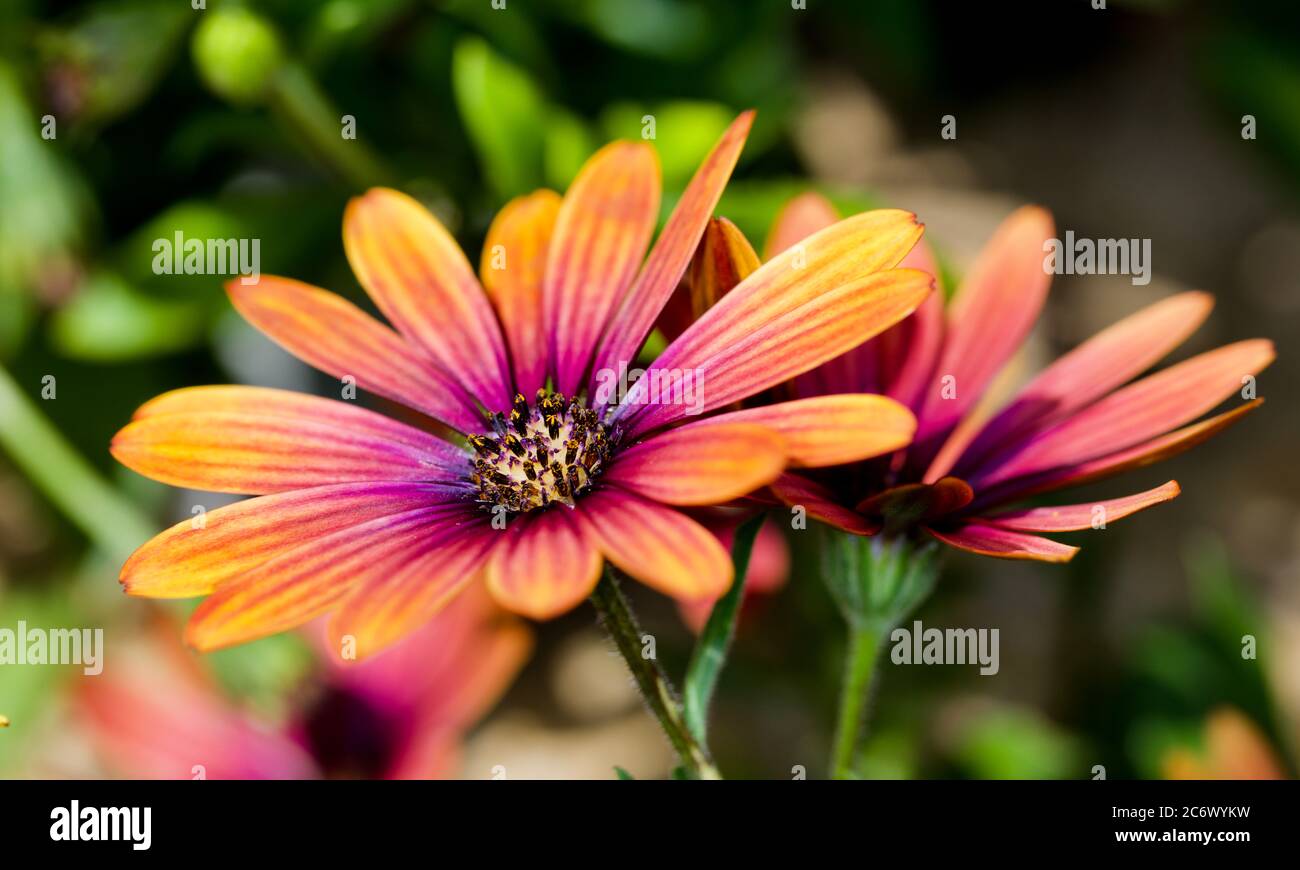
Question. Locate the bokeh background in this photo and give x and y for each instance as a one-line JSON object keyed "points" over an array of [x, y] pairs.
{"points": [[224, 122]]}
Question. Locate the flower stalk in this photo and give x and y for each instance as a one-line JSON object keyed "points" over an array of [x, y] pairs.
{"points": [[656, 689], [877, 582]]}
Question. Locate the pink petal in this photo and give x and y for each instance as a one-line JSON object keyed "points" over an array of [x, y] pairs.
{"points": [[1138, 456], [990, 315], [1136, 413], [797, 491], [1090, 371], [600, 238], [661, 547], [850, 251], [801, 217], [418, 276], [1004, 544], [1076, 517], [545, 566], [791, 343], [328, 332]]}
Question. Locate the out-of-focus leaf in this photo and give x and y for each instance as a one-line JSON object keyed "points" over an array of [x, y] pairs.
{"points": [[1254, 75], [264, 672], [337, 24], [46, 206], [15, 317], [113, 56], [26, 691], [191, 220], [568, 145], [1219, 597], [1151, 740], [505, 115], [1013, 743], [108, 321], [669, 29], [889, 754]]}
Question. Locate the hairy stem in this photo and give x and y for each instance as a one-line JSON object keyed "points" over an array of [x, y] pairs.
{"points": [[855, 695], [656, 690]]}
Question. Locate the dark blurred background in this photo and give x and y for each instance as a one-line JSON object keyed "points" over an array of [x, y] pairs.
{"points": [[124, 122]]}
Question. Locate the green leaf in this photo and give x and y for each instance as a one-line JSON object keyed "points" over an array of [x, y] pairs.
{"points": [[568, 145], [711, 650], [505, 114], [116, 54], [109, 321], [1007, 742], [622, 774]]}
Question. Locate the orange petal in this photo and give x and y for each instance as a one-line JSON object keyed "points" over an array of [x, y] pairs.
{"points": [[657, 545], [386, 607], [838, 255], [1138, 412], [1004, 544], [512, 269], [328, 332], [673, 250], [601, 234], [990, 315], [897, 362], [798, 219], [790, 344], [545, 566], [193, 556], [833, 430], [1076, 517], [798, 491], [723, 259], [297, 586], [421, 281], [1094, 368], [702, 463], [273, 447]]}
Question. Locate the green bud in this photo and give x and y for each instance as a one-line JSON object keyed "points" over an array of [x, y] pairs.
{"points": [[237, 53], [878, 581]]}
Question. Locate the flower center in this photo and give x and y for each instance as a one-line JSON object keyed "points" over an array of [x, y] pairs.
{"points": [[550, 451]]}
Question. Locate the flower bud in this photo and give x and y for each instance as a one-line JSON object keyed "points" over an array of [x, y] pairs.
{"points": [[237, 53]]}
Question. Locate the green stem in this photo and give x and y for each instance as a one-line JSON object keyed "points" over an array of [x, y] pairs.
{"points": [[656, 689], [711, 649], [67, 480], [855, 694], [298, 100]]}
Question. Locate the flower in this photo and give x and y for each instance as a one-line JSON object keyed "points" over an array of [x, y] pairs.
{"points": [[398, 715], [537, 468], [1079, 420]]}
